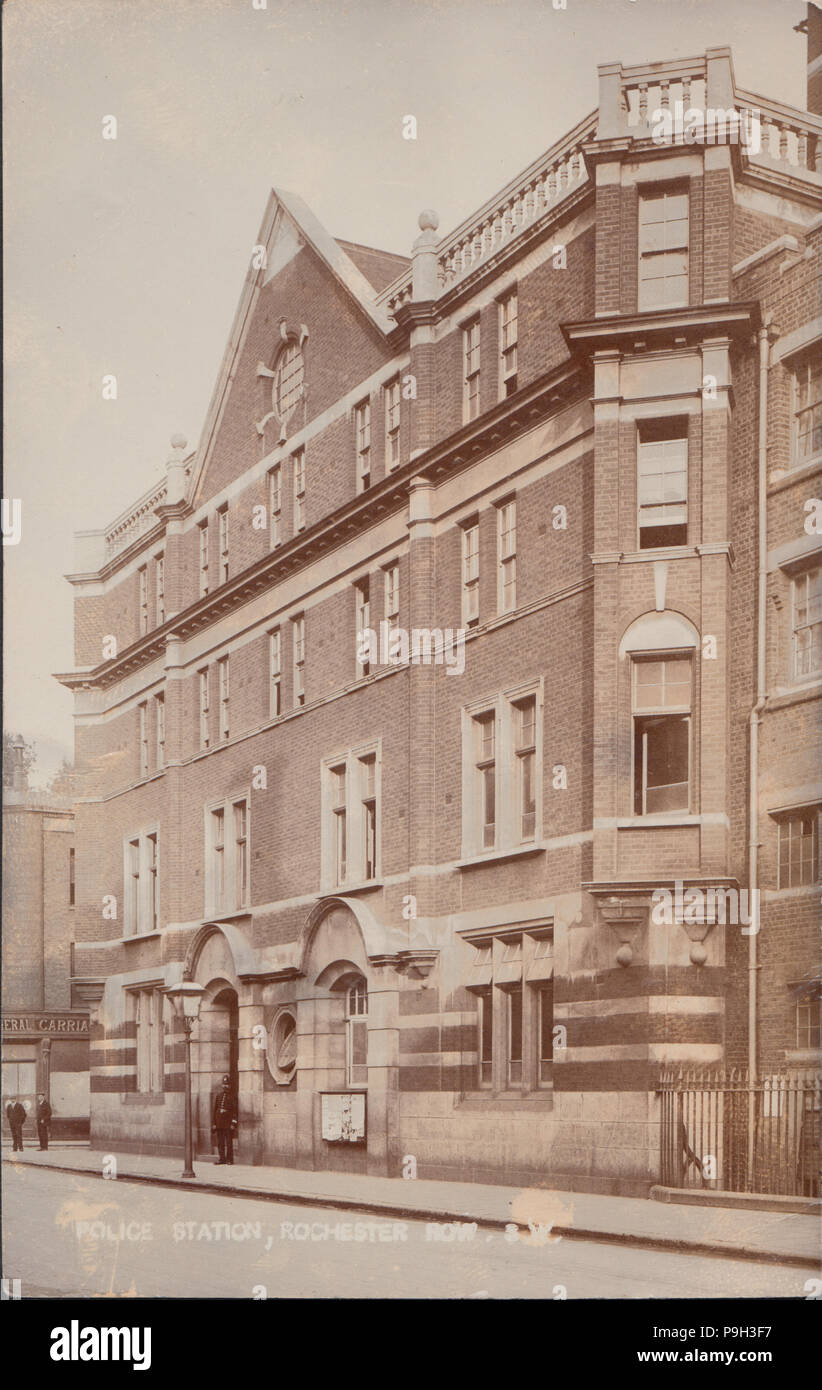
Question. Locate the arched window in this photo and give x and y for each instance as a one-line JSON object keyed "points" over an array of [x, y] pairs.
{"points": [[356, 1033], [661, 649], [288, 379]]}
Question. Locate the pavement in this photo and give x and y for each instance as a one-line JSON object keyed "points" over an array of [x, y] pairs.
{"points": [[782, 1237]]}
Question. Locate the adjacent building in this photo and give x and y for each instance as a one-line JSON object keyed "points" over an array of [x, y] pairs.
{"points": [[561, 464], [45, 1045]]}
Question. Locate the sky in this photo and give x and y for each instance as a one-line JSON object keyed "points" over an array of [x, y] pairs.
{"points": [[127, 256]]}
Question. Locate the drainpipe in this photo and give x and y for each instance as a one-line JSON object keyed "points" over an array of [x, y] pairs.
{"points": [[764, 339]]}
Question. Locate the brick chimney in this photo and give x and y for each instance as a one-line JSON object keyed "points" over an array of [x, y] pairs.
{"points": [[811, 26]]}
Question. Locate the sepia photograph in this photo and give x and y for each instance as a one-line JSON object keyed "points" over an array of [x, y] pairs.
{"points": [[412, 683]]}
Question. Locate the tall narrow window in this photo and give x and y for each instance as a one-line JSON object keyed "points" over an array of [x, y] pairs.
{"points": [[218, 856], [508, 343], [807, 431], [133, 887], [289, 373], [71, 882], [205, 737], [142, 884], [222, 519], [799, 862], [225, 694], [392, 592], [662, 729], [202, 530], [228, 863], [160, 725], [368, 774], [299, 491], [515, 1036], [807, 624], [470, 574], [486, 1038], [545, 1034], [153, 866], [275, 504], [392, 424], [240, 853], [526, 752], [147, 1016], [356, 1033], [143, 576], [471, 370], [663, 250], [160, 588], [507, 552], [485, 763], [298, 630], [339, 814], [362, 427], [662, 484], [351, 812], [363, 620], [144, 739], [274, 673]]}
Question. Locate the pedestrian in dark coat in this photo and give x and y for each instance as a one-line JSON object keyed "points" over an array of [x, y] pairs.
{"points": [[224, 1121], [16, 1116], [43, 1118]]}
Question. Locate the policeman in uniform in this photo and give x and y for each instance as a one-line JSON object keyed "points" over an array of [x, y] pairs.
{"points": [[43, 1117], [224, 1121]]}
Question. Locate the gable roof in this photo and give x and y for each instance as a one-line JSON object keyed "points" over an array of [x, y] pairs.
{"points": [[289, 224], [380, 268]]}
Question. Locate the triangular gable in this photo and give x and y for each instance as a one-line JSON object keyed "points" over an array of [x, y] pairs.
{"points": [[287, 226]]}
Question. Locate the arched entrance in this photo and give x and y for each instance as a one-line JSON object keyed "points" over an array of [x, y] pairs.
{"points": [[216, 1054]]}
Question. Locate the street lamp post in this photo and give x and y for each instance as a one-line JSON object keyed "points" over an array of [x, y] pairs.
{"points": [[185, 998]]}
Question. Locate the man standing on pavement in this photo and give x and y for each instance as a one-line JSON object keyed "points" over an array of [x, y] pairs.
{"points": [[224, 1121], [43, 1117], [16, 1116]]}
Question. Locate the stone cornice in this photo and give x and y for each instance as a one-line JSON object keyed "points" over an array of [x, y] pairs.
{"points": [[626, 331]]}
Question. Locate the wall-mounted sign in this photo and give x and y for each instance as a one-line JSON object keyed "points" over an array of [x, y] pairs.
{"points": [[47, 1024], [343, 1117]]}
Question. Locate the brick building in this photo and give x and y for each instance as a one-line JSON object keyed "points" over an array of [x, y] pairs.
{"points": [[420, 884], [45, 1025]]}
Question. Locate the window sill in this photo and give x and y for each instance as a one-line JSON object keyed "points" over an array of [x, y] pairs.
{"points": [[143, 1098], [802, 890], [141, 936], [498, 856], [541, 1100], [803, 1056], [796, 473], [794, 695], [235, 915], [658, 818], [362, 887]]}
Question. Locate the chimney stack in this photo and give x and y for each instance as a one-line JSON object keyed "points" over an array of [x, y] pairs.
{"points": [[811, 27]]}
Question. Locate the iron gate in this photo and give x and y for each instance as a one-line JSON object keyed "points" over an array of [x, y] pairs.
{"points": [[719, 1132]]}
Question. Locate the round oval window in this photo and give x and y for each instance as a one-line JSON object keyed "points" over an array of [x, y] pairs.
{"points": [[282, 1048]]}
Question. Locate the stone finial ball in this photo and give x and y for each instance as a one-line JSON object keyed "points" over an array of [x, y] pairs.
{"points": [[178, 441], [428, 220], [624, 955], [698, 953]]}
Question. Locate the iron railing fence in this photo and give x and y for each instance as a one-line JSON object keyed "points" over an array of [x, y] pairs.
{"points": [[720, 1132]]}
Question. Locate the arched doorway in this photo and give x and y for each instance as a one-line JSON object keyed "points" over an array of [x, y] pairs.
{"points": [[217, 1055]]}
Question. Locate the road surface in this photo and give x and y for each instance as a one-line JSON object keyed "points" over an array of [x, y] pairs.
{"points": [[71, 1235]]}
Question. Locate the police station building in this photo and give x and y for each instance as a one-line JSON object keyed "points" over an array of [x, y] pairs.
{"points": [[558, 462]]}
